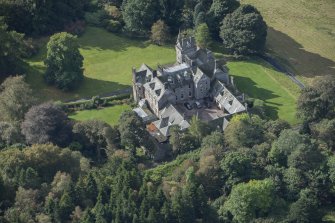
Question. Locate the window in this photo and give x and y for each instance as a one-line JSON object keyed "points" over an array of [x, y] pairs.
{"points": [[189, 85], [176, 98], [190, 94], [182, 96]]}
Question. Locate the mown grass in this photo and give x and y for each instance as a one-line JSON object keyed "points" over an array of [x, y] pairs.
{"points": [[109, 115], [259, 80], [301, 34], [108, 60]]}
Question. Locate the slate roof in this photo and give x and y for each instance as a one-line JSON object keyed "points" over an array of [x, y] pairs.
{"points": [[226, 99], [170, 116]]}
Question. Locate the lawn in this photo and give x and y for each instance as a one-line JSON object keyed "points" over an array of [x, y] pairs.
{"points": [[259, 80], [109, 115], [301, 34], [108, 60]]}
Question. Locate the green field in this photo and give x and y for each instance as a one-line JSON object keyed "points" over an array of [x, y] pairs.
{"points": [[258, 80], [301, 34], [109, 115], [108, 60]]}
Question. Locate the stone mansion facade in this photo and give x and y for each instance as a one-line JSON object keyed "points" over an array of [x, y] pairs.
{"points": [[195, 77]]}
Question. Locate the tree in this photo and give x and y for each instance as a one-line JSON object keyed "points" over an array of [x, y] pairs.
{"points": [[64, 62], [66, 206], [287, 142], [202, 36], [41, 17], [182, 141], [218, 11], [251, 200], [25, 206], [244, 131], [46, 160], [139, 15], [317, 101], [325, 131], [159, 33], [305, 209], [46, 123], [198, 129], [16, 98], [244, 31], [132, 131], [9, 134], [97, 137], [236, 166], [200, 19], [11, 50], [171, 13]]}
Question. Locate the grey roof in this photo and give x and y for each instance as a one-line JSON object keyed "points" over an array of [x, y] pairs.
{"points": [[144, 74], [170, 116], [199, 75], [203, 59], [176, 76], [226, 99]]}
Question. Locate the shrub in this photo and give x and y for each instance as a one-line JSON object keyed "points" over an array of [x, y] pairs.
{"points": [[113, 12], [160, 32], [112, 26], [96, 18]]}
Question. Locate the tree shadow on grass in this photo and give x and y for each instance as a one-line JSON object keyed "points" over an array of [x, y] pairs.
{"points": [[249, 87], [100, 39], [293, 55], [88, 88]]}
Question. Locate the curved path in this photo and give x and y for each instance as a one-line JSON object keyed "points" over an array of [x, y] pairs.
{"points": [[282, 69]]}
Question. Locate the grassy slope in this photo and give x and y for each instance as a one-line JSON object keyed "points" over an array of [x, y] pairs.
{"points": [[108, 60], [109, 115], [258, 80], [301, 34]]}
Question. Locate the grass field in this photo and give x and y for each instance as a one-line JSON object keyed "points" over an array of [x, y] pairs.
{"points": [[109, 115], [301, 34], [258, 80], [108, 60]]}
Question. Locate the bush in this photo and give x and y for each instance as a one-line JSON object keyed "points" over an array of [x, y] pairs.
{"points": [[96, 18], [112, 26], [113, 12]]}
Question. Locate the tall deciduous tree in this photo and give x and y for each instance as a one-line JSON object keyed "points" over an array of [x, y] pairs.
{"points": [[160, 32], [317, 101], [202, 36], [11, 50], [244, 131], [97, 137], [132, 131], [171, 13], [46, 123], [244, 31], [16, 98], [250, 200], [64, 62], [218, 11], [139, 15]]}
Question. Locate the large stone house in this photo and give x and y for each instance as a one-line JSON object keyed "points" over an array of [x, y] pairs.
{"points": [[196, 77]]}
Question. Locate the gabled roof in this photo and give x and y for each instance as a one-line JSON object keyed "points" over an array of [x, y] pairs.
{"points": [[170, 116], [226, 99]]}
